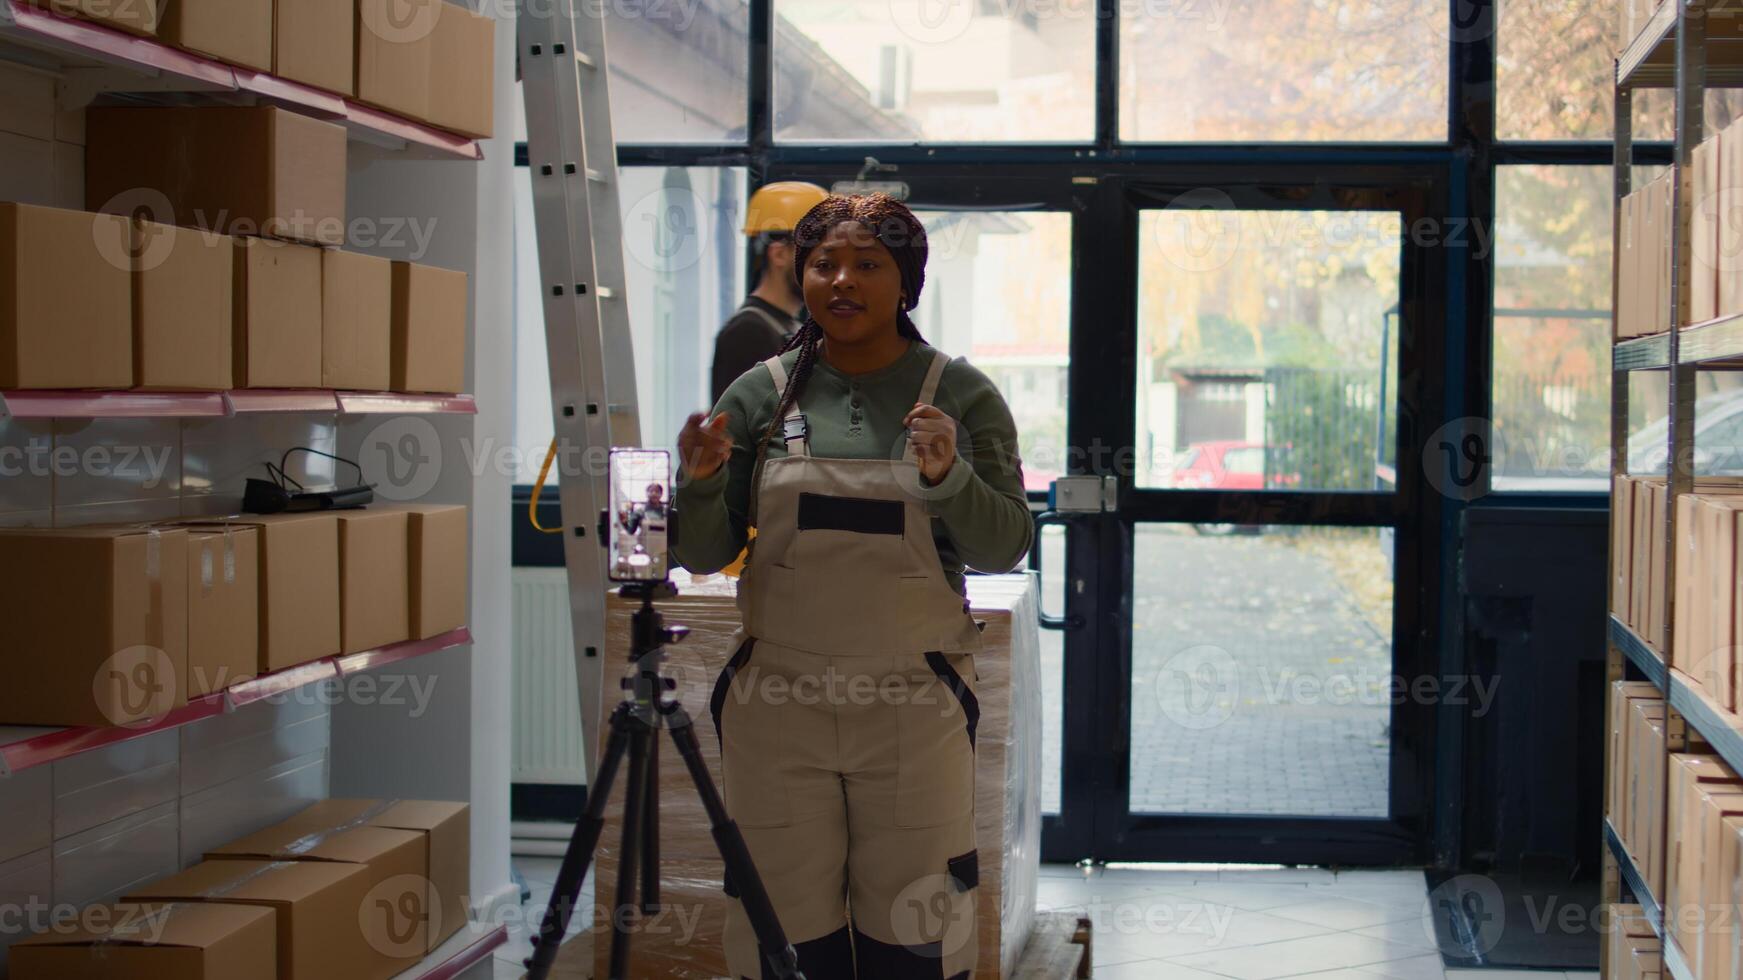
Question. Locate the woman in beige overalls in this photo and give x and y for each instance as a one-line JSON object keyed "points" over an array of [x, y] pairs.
{"points": [[847, 715]]}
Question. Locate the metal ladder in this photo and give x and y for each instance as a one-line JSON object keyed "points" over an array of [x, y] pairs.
{"points": [[574, 181]]}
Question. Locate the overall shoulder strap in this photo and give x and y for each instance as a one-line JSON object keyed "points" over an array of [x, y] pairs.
{"points": [[929, 388], [793, 426]]}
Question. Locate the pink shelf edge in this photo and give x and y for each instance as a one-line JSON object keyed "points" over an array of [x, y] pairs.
{"points": [[473, 954], [357, 663], [25, 404], [145, 52], [64, 742], [390, 403]]}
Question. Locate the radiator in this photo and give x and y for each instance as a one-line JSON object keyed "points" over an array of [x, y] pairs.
{"points": [[548, 743]]}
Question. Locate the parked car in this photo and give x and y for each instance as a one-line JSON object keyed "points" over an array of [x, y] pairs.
{"points": [[1227, 464]]}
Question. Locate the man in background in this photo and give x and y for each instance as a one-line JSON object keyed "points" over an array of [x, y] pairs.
{"points": [[759, 327]]}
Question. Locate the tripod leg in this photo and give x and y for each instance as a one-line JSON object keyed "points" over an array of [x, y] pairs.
{"points": [[651, 833], [580, 852], [783, 961], [635, 797]]}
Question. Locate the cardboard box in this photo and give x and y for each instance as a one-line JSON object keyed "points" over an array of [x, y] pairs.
{"points": [[391, 922], [314, 906], [462, 71], [1730, 231], [356, 321], [154, 942], [1656, 557], [1621, 545], [66, 299], [1628, 268], [1722, 954], [1623, 695], [1661, 224], [96, 625], [132, 16], [183, 290], [234, 31], [445, 829], [299, 586], [1704, 233], [429, 329], [238, 170], [1687, 635], [439, 539], [223, 608], [278, 331], [1721, 585], [395, 50], [1692, 779], [1706, 944], [1647, 800], [1631, 929], [313, 43], [374, 607]]}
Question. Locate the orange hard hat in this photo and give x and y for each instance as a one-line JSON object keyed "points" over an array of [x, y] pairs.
{"points": [[778, 207]]}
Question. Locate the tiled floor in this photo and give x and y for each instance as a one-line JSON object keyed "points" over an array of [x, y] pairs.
{"points": [[1212, 925]]}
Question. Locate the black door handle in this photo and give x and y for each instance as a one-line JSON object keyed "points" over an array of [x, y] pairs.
{"points": [[1069, 621]]}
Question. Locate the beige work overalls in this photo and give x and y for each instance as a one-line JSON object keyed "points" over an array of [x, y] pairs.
{"points": [[847, 722]]}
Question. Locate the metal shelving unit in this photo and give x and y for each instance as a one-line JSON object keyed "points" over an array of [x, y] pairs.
{"points": [[1687, 48], [27, 748], [1629, 875], [108, 60], [223, 404]]}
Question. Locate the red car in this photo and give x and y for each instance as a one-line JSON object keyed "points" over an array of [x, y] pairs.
{"points": [[1227, 464]]}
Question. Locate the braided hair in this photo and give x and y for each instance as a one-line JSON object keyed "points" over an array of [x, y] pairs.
{"points": [[896, 228]]}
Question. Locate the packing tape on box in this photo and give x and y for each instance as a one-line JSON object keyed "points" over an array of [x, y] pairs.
{"points": [[132, 929], [208, 572], [308, 842], [154, 588]]}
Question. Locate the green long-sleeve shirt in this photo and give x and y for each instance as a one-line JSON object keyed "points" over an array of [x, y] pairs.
{"points": [[980, 516]]}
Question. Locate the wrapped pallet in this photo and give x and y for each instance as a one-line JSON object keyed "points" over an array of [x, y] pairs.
{"points": [[685, 940]]}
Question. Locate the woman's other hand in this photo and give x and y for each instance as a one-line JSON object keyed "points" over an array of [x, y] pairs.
{"points": [[704, 447], [933, 434]]}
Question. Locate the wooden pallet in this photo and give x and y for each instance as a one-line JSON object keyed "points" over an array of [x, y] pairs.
{"points": [[1058, 949]]}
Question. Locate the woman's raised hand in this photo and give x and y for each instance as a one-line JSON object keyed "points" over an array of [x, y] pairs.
{"points": [[704, 447]]}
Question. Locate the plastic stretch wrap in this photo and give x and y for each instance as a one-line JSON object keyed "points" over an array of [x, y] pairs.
{"points": [[685, 940]]}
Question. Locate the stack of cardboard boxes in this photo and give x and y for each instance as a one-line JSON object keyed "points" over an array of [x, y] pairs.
{"points": [[428, 60], [172, 612], [1709, 600], [1635, 805], [1634, 949], [345, 890], [1643, 261], [246, 289]]}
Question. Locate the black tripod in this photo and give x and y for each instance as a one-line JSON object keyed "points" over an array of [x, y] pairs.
{"points": [[635, 725]]}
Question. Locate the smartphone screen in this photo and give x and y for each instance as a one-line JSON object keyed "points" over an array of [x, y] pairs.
{"points": [[641, 486]]}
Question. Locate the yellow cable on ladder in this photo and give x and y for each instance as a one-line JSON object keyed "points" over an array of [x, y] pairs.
{"points": [[539, 488]]}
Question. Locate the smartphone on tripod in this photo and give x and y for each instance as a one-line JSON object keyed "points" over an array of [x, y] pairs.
{"points": [[640, 515]]}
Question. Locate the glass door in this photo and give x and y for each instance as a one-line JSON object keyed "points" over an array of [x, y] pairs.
{"points": [[1257, 650]]}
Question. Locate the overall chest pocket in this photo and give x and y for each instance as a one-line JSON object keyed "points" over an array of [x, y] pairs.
{"points": [[840, 585]]}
